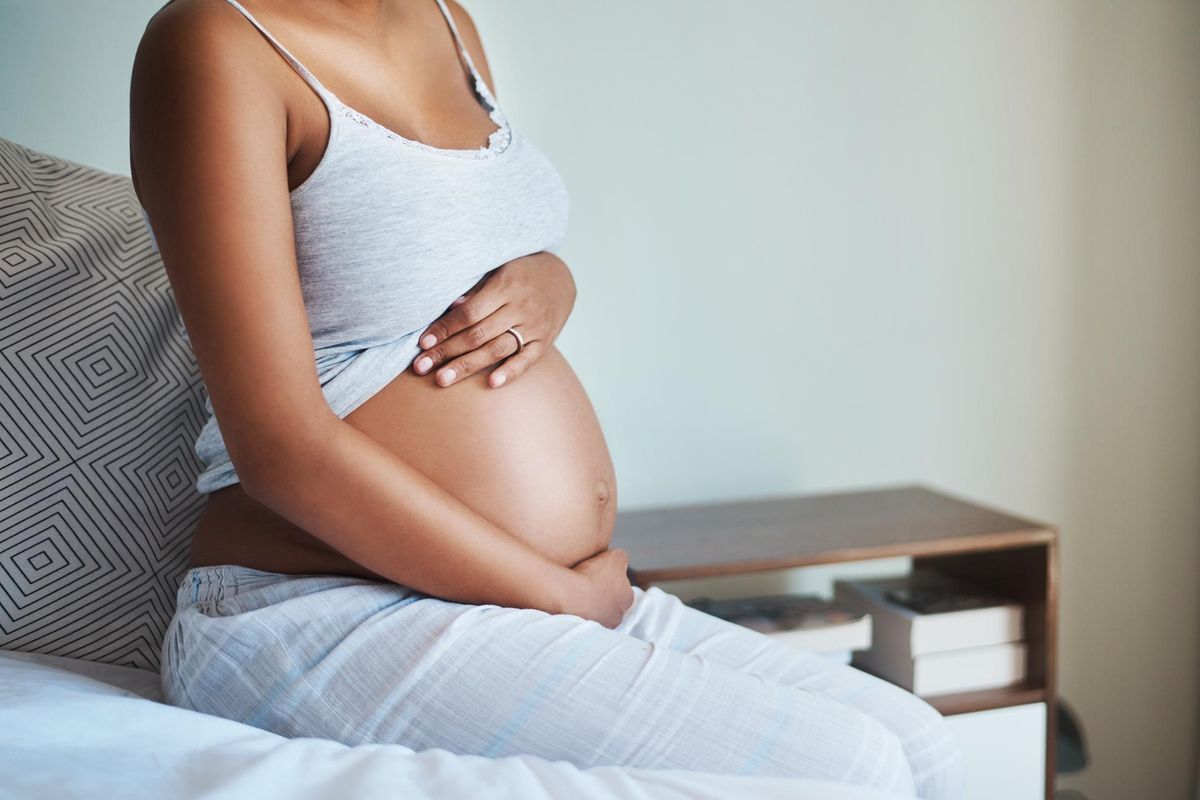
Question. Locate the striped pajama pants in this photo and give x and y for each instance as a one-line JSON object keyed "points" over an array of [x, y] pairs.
{"points": [[359, 661]]}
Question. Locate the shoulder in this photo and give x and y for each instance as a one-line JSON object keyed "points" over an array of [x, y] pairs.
{"points": [[203, 41], [204, 50], [471, 40], [198, 68], [184, 29]]}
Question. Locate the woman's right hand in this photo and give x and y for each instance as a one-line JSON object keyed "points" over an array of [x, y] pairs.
{"points": [[605, 593]]}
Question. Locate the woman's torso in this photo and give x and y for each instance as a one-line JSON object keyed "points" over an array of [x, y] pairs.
{"points": [[530, 457]]}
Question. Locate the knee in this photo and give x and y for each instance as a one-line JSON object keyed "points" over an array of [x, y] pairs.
{"points": [[817, 736], [854, 748], [933, 751], [939, 773], [885, 765]]}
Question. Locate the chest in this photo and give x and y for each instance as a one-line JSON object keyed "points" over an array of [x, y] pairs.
{"points": [[387, 235]]}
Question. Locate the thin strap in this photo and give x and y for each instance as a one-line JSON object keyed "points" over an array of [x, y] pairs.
{"points": [[291, 59], [480, 85]]}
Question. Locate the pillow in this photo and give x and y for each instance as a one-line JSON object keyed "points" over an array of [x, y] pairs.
{"points": [[100, 406]]}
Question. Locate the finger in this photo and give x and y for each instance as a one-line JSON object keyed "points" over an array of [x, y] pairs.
{"points": [[471, 338], [495, 350], [475, 305], [515, 365], [463, 297]]}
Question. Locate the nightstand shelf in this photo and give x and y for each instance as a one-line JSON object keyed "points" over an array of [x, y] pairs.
{"points": [[966, 702], [1012, 555]]}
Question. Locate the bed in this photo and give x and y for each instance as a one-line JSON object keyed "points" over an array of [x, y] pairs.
{"points": [[71, 728], [100, 404]]}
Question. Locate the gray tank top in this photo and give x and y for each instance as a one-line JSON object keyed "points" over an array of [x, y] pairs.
{"points": [[389, 231]]}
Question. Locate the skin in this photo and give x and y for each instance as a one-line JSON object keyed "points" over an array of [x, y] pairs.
{"points": [[474, 491]]}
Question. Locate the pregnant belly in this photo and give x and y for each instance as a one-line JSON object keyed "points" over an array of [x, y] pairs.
{"points": [[530, 457]]}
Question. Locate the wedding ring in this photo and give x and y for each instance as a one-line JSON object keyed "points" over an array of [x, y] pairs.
{"points": [[520, 339]]}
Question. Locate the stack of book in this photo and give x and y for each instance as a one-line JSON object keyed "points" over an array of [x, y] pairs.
{"points": [[805, 621], [934, 634]]}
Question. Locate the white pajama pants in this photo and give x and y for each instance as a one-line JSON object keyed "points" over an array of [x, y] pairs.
{"points": [[359, 661]]}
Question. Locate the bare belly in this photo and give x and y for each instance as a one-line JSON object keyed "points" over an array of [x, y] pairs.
{"points": [[529, 456]]}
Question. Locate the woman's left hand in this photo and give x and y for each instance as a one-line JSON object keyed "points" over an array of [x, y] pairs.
{"points": [[533, 293]]}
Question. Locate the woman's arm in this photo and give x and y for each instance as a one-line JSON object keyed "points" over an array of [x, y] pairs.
{"points": [[209, 143]]}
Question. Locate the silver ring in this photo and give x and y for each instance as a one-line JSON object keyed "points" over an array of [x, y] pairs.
{"points": [[520, 339]]}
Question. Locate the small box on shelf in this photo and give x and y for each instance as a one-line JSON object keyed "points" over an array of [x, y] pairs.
{"points": [[936, 635]]}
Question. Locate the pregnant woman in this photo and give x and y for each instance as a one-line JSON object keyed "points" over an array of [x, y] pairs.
{"points": [[409, 497]]}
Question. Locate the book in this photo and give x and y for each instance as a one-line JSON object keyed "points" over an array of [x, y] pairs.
{"points": [[925, 611], [801, 620], [962, 670]]}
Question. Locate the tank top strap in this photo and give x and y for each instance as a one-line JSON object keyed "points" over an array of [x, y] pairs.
{"points": [[311, 79], [480, 85]]}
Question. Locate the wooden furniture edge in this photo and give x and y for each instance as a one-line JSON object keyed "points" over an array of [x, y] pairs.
{"points": [[1051, 678], [964, 544], [986, 699]]}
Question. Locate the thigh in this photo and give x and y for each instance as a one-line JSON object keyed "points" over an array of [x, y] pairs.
{"points": [[928, 741], [345, 663]]}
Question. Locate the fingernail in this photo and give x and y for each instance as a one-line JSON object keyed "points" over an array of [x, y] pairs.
{"points": [[428, 340], [423, 364], [498, 378], [445, 376], [460, 299]]}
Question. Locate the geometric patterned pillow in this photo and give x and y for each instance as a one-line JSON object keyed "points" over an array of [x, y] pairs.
{"points": [[100, 405]]}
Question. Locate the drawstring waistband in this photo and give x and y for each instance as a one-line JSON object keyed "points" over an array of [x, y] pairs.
{"points": [[210, 584]]}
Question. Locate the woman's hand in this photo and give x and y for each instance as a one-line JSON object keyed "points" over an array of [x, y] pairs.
{"points": [[533, 293], [605, 593]]}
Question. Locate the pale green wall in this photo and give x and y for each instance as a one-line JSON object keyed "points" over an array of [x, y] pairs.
{"points": [[839, 244]]}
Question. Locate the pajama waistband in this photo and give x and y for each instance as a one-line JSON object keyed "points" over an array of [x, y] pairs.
{"points": [[211, 584], [217, 582]]}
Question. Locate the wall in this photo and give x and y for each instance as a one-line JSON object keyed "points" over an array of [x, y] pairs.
{"points": [[827, 245]]}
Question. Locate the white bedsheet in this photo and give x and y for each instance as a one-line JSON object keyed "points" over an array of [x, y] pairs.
{"points": [[72, 729]]}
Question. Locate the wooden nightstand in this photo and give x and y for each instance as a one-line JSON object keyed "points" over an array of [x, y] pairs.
{"points": [[1015, 556]]}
